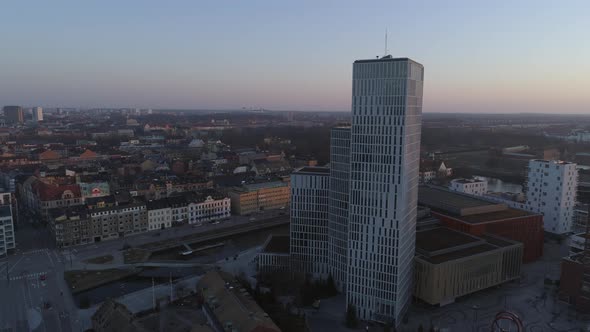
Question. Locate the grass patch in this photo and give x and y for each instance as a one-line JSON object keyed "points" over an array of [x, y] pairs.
{"points": [[100, 259], [81, 280], [135, 255]]}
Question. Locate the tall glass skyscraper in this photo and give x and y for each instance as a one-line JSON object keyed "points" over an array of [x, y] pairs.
{"points": [[338, 204], [384, 162]]}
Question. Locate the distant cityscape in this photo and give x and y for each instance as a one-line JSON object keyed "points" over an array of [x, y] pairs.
{"points": [[382, 219]]}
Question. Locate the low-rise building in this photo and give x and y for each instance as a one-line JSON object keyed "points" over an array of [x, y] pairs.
{"points": [[229, 307], [71, 226], [476, 216], [259, 196], [159, 214], [274, 256], [450, 264], [208, 206], [477, 187]]}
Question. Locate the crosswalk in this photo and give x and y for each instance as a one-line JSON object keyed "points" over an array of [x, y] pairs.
{"points": [[28, 276], [36, 251]]}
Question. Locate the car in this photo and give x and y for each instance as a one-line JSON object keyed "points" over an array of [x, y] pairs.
{"points": [[43, 277]]}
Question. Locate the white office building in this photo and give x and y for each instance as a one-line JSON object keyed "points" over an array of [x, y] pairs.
{"points": [[7, 238], [384, 164], [551, 189], [37, 114], [477, 187], [338, 205], [309, 221]]}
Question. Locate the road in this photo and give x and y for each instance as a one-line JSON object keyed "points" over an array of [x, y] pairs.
{"points": [[20, 273], [21, 282]]}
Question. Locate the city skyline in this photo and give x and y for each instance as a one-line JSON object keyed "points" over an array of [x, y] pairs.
{"points": [[483, 58]]}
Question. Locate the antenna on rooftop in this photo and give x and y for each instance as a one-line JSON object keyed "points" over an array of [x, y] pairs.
{"points": [[386, 50]]}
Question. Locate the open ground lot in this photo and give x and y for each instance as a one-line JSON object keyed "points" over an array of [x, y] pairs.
{"points": [[529, 298]]}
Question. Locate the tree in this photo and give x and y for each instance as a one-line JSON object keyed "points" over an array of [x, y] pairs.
{"points": [[331, 286], [351, 320], [387, 327]]}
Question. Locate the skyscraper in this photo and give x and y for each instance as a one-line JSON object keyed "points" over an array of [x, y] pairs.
{"points": [[384, 163], [309, 221], [14, 114], [37, 114], [338, 204]]}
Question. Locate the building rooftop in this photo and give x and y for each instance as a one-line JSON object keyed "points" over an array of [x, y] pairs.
{"points": [[441, 238], [467, 180], [232, 307], [262, 185], [441, 244], [277, 244], [387, 58], [316, 170], [509, 213], [455, 203]]}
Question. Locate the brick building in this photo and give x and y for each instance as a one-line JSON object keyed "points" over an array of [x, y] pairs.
{"points": [[477, 216]]}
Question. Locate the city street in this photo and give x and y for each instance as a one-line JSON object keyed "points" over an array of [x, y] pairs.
{"points": [[36, 256], [36, 304]]}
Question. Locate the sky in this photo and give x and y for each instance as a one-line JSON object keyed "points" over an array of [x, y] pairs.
{"points": [[479, 56]]}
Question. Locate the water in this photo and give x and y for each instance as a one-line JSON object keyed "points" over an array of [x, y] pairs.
{"points": [[160, 275], [497, 185]]}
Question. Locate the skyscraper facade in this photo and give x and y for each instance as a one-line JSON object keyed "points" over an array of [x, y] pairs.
{"points": [[384, 164], [13, 114], [338, 204], [309, 221], [551, 189], [37, 114]]}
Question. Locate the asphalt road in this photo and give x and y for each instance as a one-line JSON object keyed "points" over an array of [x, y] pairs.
{"points": [[20, 281], [23, 292]]}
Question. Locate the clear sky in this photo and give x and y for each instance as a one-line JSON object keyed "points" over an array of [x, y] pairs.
{"points": [[479, 56]]}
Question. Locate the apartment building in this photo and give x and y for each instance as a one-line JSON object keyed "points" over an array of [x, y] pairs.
{"points": [[255, 197]]}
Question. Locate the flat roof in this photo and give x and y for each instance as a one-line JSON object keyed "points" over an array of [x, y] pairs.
{"points": [[509, 213], [466, 252], [317, 170], [387, 58], [440, 238], [454, 202], [442, 244], [262, 185]]}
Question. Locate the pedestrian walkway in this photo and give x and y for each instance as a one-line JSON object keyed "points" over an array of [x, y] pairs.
{"points": [[28, 276]]}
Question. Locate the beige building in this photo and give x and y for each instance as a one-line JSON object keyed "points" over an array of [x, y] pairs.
{"points": [[70, 226], [259, 196], [451, 264]]}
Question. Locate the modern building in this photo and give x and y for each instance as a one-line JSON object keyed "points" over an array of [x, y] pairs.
{"points": [[338, 205], [477, 216], [7, 236], [551, 189], [450, 264], [13, 114], [477, 187], [275, 255], [256, 197], [309, 221], [37, 114], [384, 164]]}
